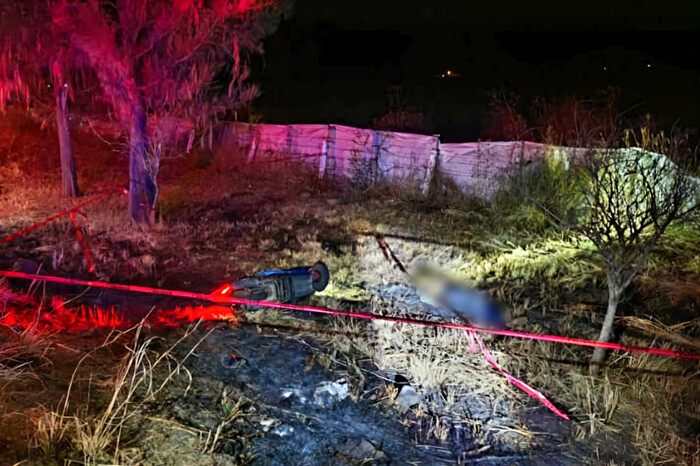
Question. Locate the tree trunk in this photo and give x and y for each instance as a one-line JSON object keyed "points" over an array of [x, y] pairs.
{"points": [[142, 187], [69, 183], [614, 294]]}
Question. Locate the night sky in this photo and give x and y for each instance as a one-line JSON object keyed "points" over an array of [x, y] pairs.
{"points": [[333, 61]]}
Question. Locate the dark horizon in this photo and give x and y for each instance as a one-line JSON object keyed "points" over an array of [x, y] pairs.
{"points": [[335, 63]]}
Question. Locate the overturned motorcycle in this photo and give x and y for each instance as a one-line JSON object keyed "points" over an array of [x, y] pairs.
{"points": [[282, 286]]}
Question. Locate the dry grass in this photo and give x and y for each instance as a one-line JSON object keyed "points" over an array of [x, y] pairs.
{"points": [[642, 396], [230, 410], [649, 398], [451, 380], [21, 352], [140, 377], [676, 333], [543, 275], [222, 223], [101, 401]]}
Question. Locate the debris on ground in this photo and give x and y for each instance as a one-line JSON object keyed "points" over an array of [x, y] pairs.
{"points": [[283, 430], [267, 424], [407, 398], [292, 394], [467, 412], [329, 393], [363, 450]]}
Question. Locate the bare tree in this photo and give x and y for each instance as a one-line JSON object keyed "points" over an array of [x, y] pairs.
{"points": [[628, 199], [400, 115], [503, 121], [161, 58], [37, 57]]}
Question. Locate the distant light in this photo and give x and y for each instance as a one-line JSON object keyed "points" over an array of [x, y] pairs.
{"points": [[648, 65], [605, 68], [450, 74]]}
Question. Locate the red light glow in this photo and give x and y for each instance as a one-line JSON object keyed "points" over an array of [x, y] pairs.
{"points": [[223, 290], [58, 317]]}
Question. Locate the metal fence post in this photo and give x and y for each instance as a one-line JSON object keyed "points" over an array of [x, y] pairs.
{"points": [[290, 139], [254, 144], [327, 152], [432, 166], [374, 164]]}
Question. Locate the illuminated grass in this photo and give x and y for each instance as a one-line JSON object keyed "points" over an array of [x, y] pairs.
{"points": [[222, 222], [566, 262]]}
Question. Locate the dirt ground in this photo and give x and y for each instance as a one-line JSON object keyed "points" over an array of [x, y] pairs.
{"points": [[242, 391]]}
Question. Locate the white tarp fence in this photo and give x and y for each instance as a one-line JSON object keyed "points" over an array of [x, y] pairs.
{"points": [[367, 156]]}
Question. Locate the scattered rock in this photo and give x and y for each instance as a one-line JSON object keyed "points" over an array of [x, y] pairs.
{"points": [[290, 394], [283, 430], [224, 460], [231, 361], [406, 398], [193, 415], [26, 266], [519, 322], [362, 449], [267, 424], [328, 393]]}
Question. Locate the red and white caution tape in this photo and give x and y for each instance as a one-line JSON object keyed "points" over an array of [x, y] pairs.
{"points": [[220, 297], [536, 394], [71, 214], [356, 315], [471, 330], [53, 218]]}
